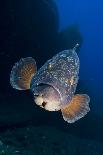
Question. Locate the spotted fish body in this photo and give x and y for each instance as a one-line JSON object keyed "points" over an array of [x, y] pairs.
{"points": [[61, 72], [54, 84]]}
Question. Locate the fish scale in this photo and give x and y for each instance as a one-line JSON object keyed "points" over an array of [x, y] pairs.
{"points": [[61, 72]]}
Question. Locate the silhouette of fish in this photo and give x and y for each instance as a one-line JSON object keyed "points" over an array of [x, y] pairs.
{"points": [[54, 84]]}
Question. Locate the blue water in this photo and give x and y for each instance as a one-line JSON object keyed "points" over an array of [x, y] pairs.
{"points": [[89, 16]]}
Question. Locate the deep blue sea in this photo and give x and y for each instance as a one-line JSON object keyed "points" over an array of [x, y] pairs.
{"points": [[88, 15], [40, 29]]}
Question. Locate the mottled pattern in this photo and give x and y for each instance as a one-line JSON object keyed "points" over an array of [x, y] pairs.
{"points": [[61, 72]]}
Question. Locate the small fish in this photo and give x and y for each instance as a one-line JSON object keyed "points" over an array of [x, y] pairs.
{"points": [[54, 84]]}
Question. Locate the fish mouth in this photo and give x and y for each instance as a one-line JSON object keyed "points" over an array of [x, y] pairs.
{"points": [[39, 96], [43, 104]]}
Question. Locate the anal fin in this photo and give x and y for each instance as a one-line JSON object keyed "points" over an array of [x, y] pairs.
{"points": [[76, 109]]}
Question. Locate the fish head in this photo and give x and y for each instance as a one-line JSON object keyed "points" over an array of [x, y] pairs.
{"points": [[47, 97]]}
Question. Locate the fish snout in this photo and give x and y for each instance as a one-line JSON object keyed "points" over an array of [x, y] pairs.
{"points": [[39, 100]]}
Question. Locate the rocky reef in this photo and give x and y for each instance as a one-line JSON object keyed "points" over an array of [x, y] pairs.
{"points": [[31, 28], [45, 140]]}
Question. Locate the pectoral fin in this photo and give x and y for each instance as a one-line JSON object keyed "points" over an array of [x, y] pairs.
{"points": [[22, 73], [76, 109]]}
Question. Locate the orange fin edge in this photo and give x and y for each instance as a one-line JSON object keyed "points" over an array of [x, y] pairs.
{"points": [[77, 108]]}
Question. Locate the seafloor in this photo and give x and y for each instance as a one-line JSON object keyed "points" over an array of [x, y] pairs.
{"points": [[53, 139], [45, 140], [26, 129]]}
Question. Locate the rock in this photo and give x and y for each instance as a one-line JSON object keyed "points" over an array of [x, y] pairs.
{"points": [[29, 28], [45, 140]]}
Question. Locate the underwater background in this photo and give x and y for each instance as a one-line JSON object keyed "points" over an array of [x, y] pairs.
{"points": [[40, 29]]}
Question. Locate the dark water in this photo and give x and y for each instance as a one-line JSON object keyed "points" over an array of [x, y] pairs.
{"points": [[40, 29]]}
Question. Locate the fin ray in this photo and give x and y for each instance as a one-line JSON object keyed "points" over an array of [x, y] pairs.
{"points": [[76, 109], [22, 73]]}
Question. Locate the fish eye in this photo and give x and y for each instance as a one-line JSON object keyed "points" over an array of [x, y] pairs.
{"points": [[43, 104]]}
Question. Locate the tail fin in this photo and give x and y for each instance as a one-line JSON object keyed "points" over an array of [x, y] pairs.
{"points": [[22, 73]]}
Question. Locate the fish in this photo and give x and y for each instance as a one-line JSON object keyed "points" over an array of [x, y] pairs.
{"points": [[53, 85]]}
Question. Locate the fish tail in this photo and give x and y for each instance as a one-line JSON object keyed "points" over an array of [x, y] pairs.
{"points": [[22, 73]]}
